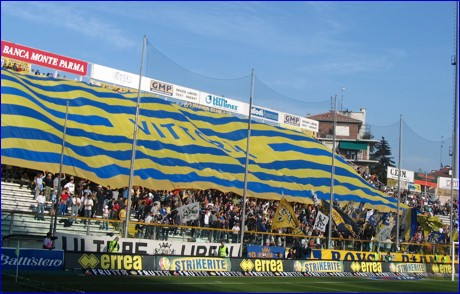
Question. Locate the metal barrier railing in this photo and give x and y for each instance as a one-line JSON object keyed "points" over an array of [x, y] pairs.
{"points": [[158, 231]]}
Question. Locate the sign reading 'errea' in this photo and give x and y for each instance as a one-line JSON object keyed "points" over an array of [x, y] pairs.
{"points": [[44, 58]]}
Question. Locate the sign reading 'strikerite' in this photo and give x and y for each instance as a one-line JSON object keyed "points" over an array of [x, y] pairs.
{"points": [[44, 58]]}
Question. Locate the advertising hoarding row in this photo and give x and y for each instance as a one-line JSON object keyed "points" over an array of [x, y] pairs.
{"points": [[139, 264], [98, 244], [28, 55], [114, 76]]}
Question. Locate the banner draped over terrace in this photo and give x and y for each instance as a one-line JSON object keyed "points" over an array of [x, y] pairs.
{"points": [[177, 147]]}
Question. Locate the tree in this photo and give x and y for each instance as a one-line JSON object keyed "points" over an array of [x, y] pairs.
{"points": [[382, 153], [368, 134]]}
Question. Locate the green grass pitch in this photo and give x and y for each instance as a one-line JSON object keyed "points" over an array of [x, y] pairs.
{"points": [[72, 282]]}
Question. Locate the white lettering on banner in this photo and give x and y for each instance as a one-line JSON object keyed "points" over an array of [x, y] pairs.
{"points": [[71, 65], [78, 243], [30, 261], [43, 58], [16, 52], [257, 112]]}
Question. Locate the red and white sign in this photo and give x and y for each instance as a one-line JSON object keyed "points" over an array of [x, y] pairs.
{"points": [[44, 58]]}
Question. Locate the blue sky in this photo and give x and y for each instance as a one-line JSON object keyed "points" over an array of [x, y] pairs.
{"points": [[392, 58]]}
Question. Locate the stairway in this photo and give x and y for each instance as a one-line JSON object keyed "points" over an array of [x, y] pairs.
{"points": [[18, 216]]}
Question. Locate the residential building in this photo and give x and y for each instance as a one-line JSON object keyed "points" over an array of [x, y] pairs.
{"points": [[352, 141]]}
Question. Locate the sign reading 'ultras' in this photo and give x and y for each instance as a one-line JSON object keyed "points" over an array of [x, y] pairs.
{"points": [[44, 58]]}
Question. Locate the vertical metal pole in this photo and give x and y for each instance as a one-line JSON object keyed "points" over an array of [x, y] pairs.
{"points": [[453, 260], [331, 200], [246, 167], [17, 262], [454, 173], [399, 183], [441, 151], [133, 153], [58, 192]]}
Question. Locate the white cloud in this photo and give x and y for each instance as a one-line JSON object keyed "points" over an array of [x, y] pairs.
{"points": [[72, 17]]}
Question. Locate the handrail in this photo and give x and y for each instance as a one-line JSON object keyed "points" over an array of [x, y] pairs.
{"points": [[7, 216]]}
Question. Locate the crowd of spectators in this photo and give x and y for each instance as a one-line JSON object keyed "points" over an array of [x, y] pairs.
{"points": [[218, 210]]}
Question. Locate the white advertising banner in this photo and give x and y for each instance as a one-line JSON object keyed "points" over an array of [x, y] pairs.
{"points": [[83, 243], [160, 87], [129, 80], [114, 76], [223, 103], [290, 119], [406, 175], [445, 183], [265, 113], [186, 94], [309, 124]]}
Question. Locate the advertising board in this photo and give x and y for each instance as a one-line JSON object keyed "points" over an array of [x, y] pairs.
{"points": [[43, 58]]}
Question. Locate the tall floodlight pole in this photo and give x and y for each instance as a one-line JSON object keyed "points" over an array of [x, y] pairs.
{"points": [[133, 153], [399, 183], [58, 192], [331, 200], [454, 172], [246, 167]]}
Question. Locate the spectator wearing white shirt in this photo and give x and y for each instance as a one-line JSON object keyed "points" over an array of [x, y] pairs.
{"points": [[71, 186], [41, 199]]}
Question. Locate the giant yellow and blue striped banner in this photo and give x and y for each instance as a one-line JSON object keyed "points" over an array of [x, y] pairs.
{"points": [[177, 147]]}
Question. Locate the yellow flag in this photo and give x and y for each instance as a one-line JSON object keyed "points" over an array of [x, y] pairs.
{"points": [[285, 218]]}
